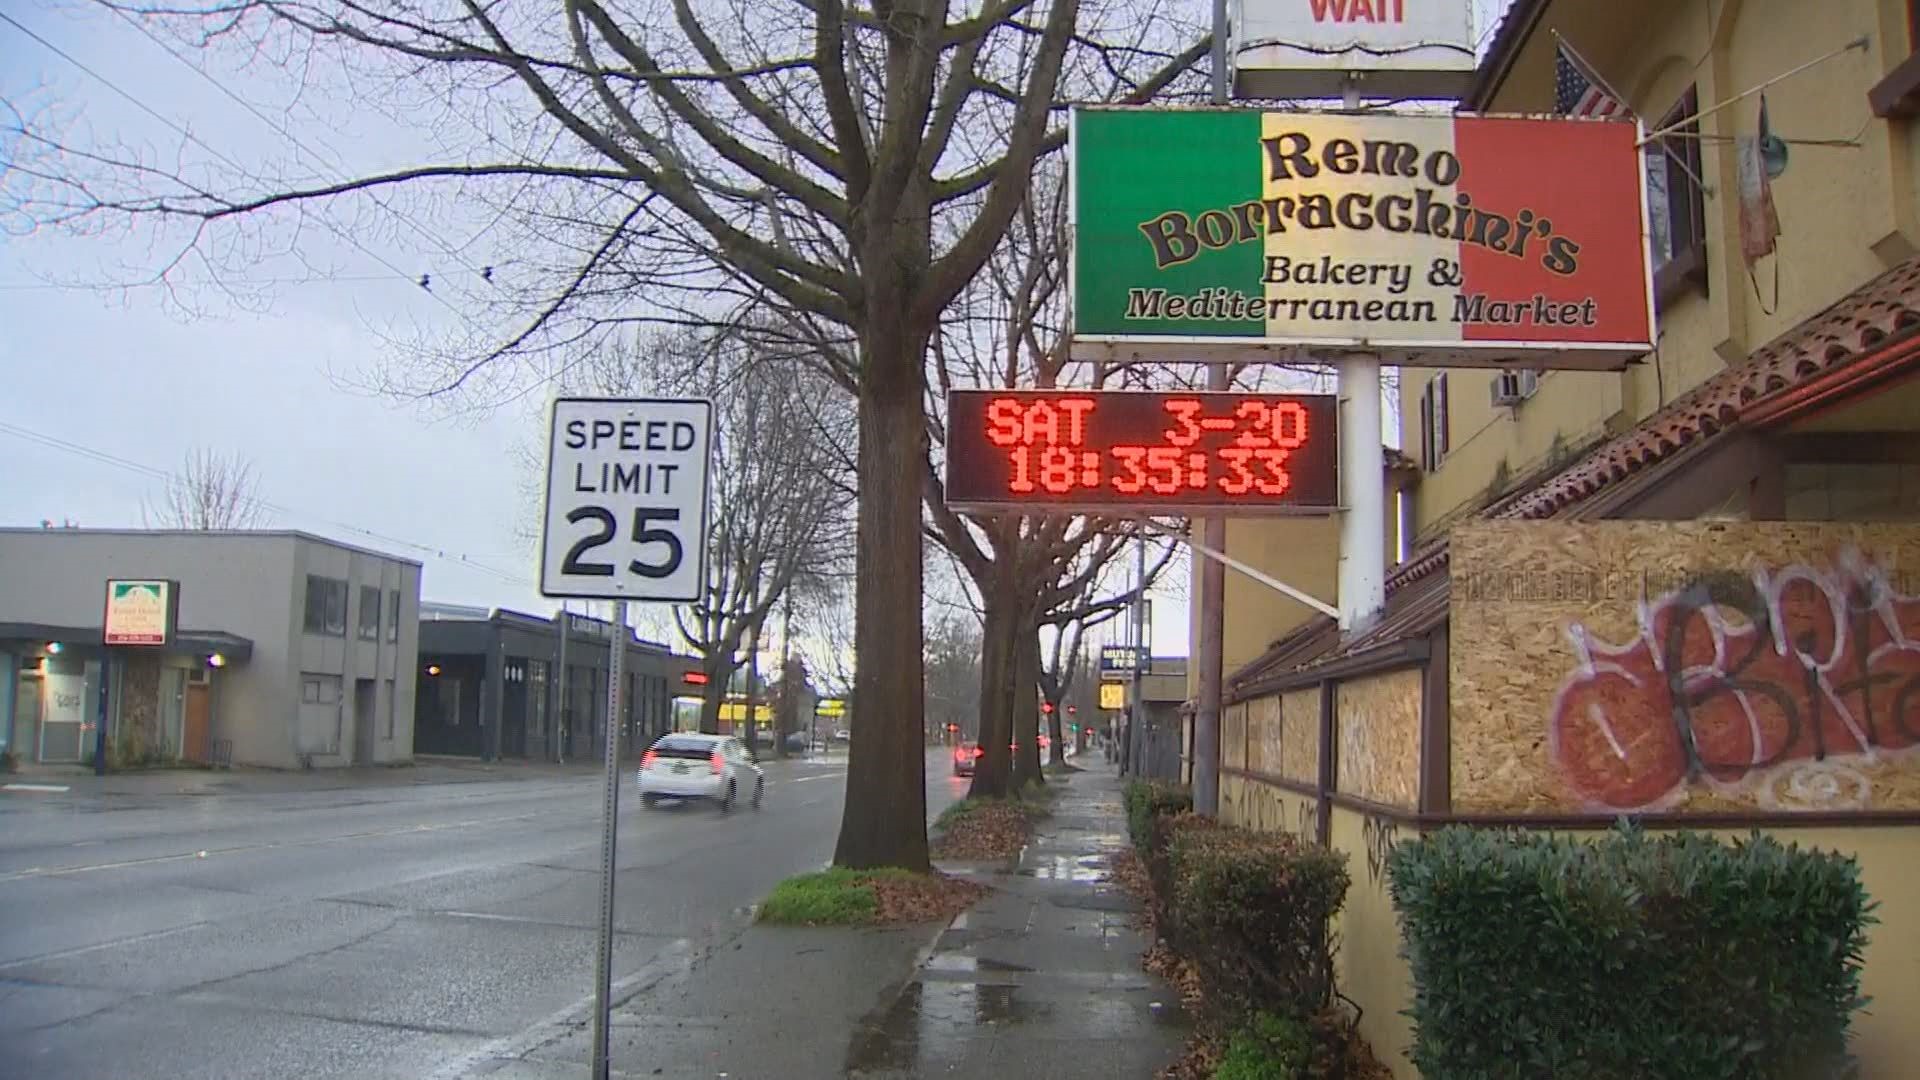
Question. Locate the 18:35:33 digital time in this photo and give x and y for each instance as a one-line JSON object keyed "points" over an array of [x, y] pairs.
{"points": [[1263, 436]]}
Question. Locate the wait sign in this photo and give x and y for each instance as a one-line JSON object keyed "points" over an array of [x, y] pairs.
{"points": [[626, 509]]}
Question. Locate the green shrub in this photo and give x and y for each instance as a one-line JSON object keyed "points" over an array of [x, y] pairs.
{"points": [[1148, 800], [1676, 957], [1250, 910], [1270, 1048]]}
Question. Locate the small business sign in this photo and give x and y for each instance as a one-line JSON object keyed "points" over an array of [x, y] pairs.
{"points": [[1186, 453], [140, 612], [830, 707], [1113, 695], [626, 506], [1310, 48], [1120, 659], [1436, 240]]}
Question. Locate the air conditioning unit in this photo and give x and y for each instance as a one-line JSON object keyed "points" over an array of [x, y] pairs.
{"points": [[1510, 388]]}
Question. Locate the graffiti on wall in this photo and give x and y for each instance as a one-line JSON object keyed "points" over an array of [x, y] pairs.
{"points": [[1782, 683], [1380, 835]]}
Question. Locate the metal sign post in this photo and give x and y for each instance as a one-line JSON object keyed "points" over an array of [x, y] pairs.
{"points": [[626, 519]]}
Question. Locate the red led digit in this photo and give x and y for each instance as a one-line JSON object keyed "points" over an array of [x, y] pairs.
{"points": [[1239, 479], [1196, 470], [1253, 433], [1022, 480], [1289, 425], [1278, 479], [1003, 421], [1185, 412], [1056, 469], [1130, 479], [1164, 463], [1077, 410]]}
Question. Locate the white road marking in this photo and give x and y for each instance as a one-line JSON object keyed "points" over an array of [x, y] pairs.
{"points": [[114, 944], [59, 871], [51, 788]]}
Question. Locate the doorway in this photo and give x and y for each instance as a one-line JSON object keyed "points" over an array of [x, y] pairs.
{"points": [[363, 729], [196, 741]]}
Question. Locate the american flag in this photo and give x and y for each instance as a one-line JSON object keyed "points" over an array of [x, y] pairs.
{"points": [[1577, 91]]}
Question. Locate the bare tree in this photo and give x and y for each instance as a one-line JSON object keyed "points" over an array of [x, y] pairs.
{"points": [[848, 165], [212, 490], [953, 674], [779, 502]]}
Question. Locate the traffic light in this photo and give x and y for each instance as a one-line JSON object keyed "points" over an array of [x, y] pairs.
{"points": [[1046, 707], [1072, 709], [953, 727]]}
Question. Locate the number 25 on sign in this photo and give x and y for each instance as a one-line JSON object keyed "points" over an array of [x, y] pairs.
{"points": [[626, 509]]}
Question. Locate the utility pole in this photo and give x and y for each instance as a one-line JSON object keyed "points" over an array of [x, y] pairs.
{"points": [[1133, 753], [789, 707], [753, 685], [1213, 577]]}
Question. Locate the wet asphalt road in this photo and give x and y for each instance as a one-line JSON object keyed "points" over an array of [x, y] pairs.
{"points": [[377, 932]]}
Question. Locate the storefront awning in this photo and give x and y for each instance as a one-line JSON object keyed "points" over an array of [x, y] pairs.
{"points": [[234, 648]]}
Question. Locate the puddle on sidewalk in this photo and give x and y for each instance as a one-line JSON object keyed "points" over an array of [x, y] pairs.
{"points": [[1088, 869], [933, 1026], [956, 961]]}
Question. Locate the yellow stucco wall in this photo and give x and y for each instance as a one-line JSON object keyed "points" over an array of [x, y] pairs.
{"points": [[1846, 213], [1372, 972], [1304, 552]]}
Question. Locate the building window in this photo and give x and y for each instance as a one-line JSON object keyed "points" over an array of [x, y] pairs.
{"points": [[393, 614], [1435, 438], [369, 613], [320, 689], [1859, 491], [326, 606], [1676, 200]]}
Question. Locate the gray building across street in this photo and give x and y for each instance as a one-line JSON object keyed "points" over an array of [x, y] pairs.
{"points": [[288, 650], [491, 685]]}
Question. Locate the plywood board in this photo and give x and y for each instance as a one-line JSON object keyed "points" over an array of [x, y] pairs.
{"points": [[1378, 720], [1263, 735], [1688, 666], [1300, 736], [1233, 736]]}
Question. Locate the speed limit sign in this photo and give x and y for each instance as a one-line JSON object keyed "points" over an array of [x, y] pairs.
{"points": [[626, 515]]}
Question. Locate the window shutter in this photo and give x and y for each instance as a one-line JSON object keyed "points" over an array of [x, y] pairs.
{"points": [[1443, 436]]}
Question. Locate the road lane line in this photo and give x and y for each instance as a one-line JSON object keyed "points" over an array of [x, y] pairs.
{"points": [[51, 788], [241, 849], [116, 943]]}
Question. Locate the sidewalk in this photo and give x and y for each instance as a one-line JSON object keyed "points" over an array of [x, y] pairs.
{"points": [[1042, 978]]}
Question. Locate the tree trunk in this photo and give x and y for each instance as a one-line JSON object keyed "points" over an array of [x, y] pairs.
{"points": [[713, 694], [885, 819], [1000, 628], [1026, 702]]}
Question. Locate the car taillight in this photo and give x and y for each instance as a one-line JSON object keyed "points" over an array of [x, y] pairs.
{"points": [[979, 751], [719, 764], [647, 760], [959, 753]]}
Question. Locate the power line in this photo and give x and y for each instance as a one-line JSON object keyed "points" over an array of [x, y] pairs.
{"points": [[153, 472], [332, 166], [59, 286], [204, 145]]}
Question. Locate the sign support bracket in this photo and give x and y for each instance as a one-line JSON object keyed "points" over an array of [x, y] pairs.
{"points": [[1254, 572]]}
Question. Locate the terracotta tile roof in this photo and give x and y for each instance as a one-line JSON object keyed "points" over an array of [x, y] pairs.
{"points": [[1885, 310]]}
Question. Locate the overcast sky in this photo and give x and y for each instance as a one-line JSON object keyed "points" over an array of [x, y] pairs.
{"points": [[98, 390]]}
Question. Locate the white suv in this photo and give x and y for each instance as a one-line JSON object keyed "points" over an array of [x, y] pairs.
{"points": [[694, 766]]}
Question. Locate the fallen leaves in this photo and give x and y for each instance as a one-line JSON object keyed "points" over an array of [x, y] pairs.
{"points": [[988, 829], [1130, 874], [915, 898]]}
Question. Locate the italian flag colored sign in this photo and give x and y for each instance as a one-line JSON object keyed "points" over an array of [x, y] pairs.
{"points": [[1453, 238]]}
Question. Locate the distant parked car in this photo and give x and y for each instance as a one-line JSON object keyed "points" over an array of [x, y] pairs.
{"points": [[797, 742], [842, 734], [694, 766]]}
